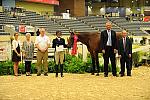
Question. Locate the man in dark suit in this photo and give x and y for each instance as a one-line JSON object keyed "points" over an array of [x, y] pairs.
{"points": [[108, 45], [125, 52]]}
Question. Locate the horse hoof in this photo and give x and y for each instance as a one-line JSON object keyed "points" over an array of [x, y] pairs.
{"points": [[92, 73], [97, 74]]}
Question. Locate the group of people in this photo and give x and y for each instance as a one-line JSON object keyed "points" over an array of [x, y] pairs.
{"points": [[109, 44], [42, 42]]}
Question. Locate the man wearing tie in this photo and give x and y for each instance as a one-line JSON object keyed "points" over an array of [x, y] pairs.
{"points": [[108, 45], [125, 51]]}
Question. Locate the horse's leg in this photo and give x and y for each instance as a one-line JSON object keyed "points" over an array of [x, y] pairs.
{"points": [[93, 64], [97, 64]]}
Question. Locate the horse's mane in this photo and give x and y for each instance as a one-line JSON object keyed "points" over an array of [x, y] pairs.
{"points": [[94, 34], [87, 33], [86, 37]]}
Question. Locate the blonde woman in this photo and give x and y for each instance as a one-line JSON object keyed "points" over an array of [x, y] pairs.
{"points": [[16, 53], [28, 53]]}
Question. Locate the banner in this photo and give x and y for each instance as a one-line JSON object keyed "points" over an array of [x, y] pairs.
{"points": [[5, 50], [11, 26], [55, 2], [30, 29], [66, 16], [147, 19], [22, 29]]}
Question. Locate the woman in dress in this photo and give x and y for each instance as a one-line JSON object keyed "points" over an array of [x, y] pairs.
{"points": [[16, 53], [28, 53]]}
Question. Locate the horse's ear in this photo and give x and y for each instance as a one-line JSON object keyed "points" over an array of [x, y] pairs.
{"points": [[67, 39]]}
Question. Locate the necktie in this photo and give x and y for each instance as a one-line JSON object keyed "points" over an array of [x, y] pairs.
{"points": [[124, 43], [109, 38]]}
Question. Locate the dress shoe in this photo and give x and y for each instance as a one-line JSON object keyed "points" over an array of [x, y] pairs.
{"points": [[128, 74], [62, 75], [28, 75], [56, 76], [38, 74], [121, 75], [16, 75], [92, 74], [115, 75], [105, 75], [45, 74], [97, 74]]}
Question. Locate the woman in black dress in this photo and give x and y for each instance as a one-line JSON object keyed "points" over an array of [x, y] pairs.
{"points": [[16, 53]]}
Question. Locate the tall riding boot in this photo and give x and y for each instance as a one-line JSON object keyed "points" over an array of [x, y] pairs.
{"points": [[56, 68], [61, 70]]}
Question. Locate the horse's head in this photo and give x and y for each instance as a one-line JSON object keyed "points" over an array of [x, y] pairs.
{"points": [[70, 40]]}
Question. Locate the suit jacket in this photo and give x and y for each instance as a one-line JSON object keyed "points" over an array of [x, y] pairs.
{"points": [[128, 47], [56, 42], [104, 39]]}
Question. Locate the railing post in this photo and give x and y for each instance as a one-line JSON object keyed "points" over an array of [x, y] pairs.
{"points": [[84, 52]]}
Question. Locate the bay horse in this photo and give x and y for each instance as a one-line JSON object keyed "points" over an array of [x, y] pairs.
{"points": [[92, 41]]}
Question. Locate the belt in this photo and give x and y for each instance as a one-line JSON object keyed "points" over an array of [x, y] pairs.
{"points": [[40, 50], [108, 46]]}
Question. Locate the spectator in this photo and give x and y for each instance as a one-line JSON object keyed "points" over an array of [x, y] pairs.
{"points": [[42, 43], [16, 57], [28, 53], [38, 32]]}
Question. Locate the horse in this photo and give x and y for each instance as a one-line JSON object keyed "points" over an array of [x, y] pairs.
{"points": [[92, 41]]}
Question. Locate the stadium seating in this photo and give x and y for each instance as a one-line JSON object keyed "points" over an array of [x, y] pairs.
{"points": [[98, 22], [79, 24], [76, 25], [39, 21], [133, 28], [3, 21]]}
